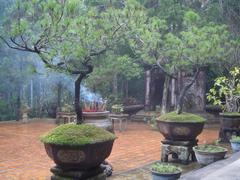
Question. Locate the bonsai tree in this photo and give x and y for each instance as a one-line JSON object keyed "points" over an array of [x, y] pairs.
{"points": [[196, 47], [67, 36], [226, 91]]}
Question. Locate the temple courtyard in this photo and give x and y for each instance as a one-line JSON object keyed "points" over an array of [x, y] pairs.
{"points": [[23, 156]]}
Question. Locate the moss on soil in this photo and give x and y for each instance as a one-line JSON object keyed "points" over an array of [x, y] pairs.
{"points": [[77, 135], [165, 168], [235, 139], [210, 148], [183, 117]]}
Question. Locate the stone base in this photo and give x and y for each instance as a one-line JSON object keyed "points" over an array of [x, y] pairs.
{"points": [[93, 174], [180, 150]]}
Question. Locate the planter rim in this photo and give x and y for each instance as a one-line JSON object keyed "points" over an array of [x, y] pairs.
{"points": [[79, 146], [204, 152], [232, 141], [99, 113], [179, 122], [229, 115], [173, 173]]}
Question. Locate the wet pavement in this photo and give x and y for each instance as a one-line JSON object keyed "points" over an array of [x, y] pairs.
{"points": [[22, 155]]}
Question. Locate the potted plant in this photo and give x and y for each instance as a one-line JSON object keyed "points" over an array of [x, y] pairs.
{"points": [[226, 93], [184, 126], [165, 171], [235, 143], [117, 108], [78, 147], [207, 154]]}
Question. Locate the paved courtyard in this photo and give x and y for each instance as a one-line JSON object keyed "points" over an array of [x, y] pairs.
{"points": [[22, 155]]}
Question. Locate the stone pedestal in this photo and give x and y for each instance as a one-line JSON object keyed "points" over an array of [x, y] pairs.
{"points": [[93, 174], [25, 117], [180, 150]]}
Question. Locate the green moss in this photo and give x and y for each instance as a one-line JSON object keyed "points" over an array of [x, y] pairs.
{"points": [[165, 168], [210, 148], [235, 139], [231, 114], [183, 117], [75, 135]]}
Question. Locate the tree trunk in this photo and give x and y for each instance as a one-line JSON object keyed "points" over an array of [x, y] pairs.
{"points": [[173, 93], [165, 95], [115, 85], [78, 108], [147, 89], [18, 107], [126, 89], [59, 95], [184, 91], [31, 92]]}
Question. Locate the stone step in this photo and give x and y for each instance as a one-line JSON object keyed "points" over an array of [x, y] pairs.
{"points": [[227, 169]]}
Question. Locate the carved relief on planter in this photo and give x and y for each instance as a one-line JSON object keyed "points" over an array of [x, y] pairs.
{"points": [[181, 131], [71, 156]]}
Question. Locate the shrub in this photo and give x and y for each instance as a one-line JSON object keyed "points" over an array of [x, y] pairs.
{"points": [[165, 168], [183, 117], [77, 135]]}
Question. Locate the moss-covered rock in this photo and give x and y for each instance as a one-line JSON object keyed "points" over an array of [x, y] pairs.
{"points": [[183, 117], [77, 135]]}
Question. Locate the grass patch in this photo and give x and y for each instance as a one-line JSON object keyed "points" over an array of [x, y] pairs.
{"points": [[77, 135], [235, 139], [183, 117], [210, 148], [165, 168], [230, 114]]}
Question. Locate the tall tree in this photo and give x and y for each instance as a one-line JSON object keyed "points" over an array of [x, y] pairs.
{"points": [[66, 35]]}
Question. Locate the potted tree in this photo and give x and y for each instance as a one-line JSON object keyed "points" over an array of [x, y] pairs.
{"points": [[166, 171], [172, 54], [226, 93], [67, 36], [235, 143], [207, 154]]}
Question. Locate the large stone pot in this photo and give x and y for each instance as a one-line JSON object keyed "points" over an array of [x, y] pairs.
{"points": [[205, 158], [180, 131], [79, 157], [100, 119], [132, 109], [230, 124]]}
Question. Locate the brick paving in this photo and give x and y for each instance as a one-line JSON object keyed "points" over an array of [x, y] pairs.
{"points": [[22, 155]]}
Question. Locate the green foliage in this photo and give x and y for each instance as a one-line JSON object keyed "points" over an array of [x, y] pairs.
{"points": [[183, 117], [228, 89], [165, 168], [77, 135], [117, 108], [210, 148], [235, 139]]}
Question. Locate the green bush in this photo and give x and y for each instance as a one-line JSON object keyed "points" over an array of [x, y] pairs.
{"points": [[77, 135], [183, 117], [210, 148], [235, 139], [165, 168]]}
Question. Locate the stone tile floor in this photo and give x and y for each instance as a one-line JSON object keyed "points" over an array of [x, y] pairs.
{"points": [[22, 155]]}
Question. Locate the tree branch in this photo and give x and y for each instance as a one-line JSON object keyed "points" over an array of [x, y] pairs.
{"points": [[164, 71]]}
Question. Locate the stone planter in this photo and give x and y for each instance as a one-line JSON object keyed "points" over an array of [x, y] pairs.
{"points": [[79, 157], [180, 131], [235, 146], [165, 176], [100, 119], [229, 125], [205, 158], [132, 109]]}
